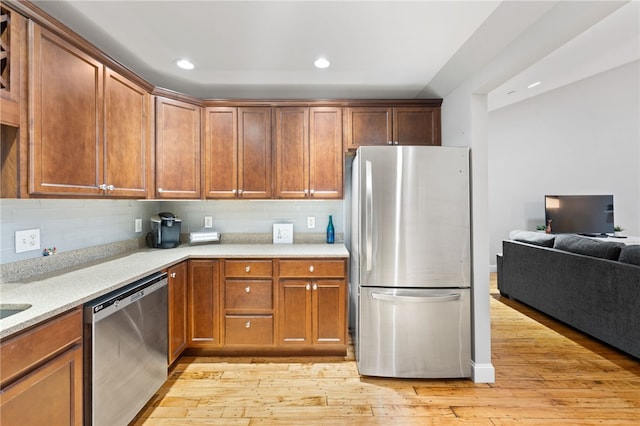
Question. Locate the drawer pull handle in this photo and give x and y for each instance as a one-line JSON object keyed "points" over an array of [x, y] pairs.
{"points": [[308, 286], [247, 289], [315, 286], [311, 268], [248, 324], [247, 269]]}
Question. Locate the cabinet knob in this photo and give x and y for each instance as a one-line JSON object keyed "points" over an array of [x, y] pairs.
{"points": [[233, 191], [247, 269], [395, 143], [239, 191], [311, 268], [173, 275], [103, 186], [306, 192], [110, 187], [390, 142], [247, 289], [160, 190], [315, 286], [313, 191], [248, 324], [308, 287]]}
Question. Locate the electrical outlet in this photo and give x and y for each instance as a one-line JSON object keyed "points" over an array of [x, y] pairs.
{"points": [[208, 222], [311, 222], [138, 225], [27, 240]]}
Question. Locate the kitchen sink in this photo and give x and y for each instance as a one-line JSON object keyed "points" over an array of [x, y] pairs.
{"points": [[8, 309]]}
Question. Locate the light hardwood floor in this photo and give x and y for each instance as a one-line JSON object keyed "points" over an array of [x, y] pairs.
{"points": [[546, 374]]}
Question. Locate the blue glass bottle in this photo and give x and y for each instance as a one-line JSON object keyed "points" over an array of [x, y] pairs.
{"points": [[331, 236]]}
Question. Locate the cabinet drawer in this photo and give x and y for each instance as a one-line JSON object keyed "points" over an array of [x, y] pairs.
{"points": [[248, 295], [312, 268], [25, 351], [248, 330], [248, 268]]}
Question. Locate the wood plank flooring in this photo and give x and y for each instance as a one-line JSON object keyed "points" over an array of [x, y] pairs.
{"points": [[546, 374]]}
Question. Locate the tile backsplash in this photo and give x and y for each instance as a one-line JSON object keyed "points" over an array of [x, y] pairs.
{"points": [[77, 224]]}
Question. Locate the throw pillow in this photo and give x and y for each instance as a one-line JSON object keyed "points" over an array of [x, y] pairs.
{"points": [[536, 238], [630, 254], [588, 246]]}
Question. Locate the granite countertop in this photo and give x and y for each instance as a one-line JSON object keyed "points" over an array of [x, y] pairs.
{"points": [[56, 294]]}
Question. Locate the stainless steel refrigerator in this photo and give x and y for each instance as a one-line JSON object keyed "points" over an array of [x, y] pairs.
{"points": [[410, 261]]}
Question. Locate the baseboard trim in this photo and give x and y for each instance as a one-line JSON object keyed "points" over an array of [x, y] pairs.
{"points": [[483, 373]]}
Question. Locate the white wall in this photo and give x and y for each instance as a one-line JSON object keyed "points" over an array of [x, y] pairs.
{"points": [[583, 138]]}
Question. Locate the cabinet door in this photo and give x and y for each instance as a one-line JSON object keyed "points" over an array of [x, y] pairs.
{"points": [[177, 310], [292, 152], [416, 126], [177, 149], [50, 395], [368, 126], [12, 36], [329, 312], [221, 152], [254, 152], [67, 117], [294, 312], [325, 153], [204, 301], [126, 137]]}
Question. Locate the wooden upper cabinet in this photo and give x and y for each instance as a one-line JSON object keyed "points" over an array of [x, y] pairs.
{"points": [[237, 146], [254, 152], [292, 152], [127, 136], [12, 41], [416, 126], [221, 152], [308, 152], [177, 149], [91, 127], [67, 118], [325, 153], [399, 125]]}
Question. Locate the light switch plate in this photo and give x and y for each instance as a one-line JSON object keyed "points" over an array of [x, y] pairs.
{"points": [[138, 225], [27, 240], [282, 233]]}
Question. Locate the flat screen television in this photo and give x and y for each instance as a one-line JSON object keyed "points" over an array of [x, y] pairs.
{"points": [[579, 214]]}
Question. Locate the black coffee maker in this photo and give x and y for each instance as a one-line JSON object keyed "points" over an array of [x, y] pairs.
{"points": [[165, 231]]}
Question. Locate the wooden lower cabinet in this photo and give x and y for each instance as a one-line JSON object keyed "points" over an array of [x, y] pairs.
{"points": [[178, 301], [203, 305], [266, 306], [41, 374], [312, 304], [248, 303]]}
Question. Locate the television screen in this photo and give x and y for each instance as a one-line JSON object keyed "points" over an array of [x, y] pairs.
{"points": [[579, 214]]}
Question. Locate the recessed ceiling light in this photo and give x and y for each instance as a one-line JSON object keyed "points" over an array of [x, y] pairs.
{"points": [[185, 64], [322, 63], [532, 85]]}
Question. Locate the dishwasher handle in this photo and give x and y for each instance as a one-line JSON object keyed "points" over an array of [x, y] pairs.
{"points": [[416, 299]]}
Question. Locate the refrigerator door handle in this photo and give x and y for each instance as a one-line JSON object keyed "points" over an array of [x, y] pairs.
{"points": [[368, 220], [415, 299]]}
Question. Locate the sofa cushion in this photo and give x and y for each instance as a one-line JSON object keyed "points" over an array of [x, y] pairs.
{"points": [[588, 246], [630, 254], [531, 237]]}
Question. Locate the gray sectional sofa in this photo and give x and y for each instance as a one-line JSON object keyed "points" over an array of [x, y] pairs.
{"points": [[589, 284]]}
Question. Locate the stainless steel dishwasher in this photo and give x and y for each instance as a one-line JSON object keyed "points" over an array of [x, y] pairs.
{"points": [[125, 350]]}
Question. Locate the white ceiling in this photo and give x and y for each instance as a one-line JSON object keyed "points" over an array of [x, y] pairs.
{"points": [[377, 49]]}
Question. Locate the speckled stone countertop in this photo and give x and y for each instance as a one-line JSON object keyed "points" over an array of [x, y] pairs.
{"points": [[58, 293]]}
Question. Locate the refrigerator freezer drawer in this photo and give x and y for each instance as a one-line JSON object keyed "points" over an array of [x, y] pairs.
{"points": [[417, 333]]}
